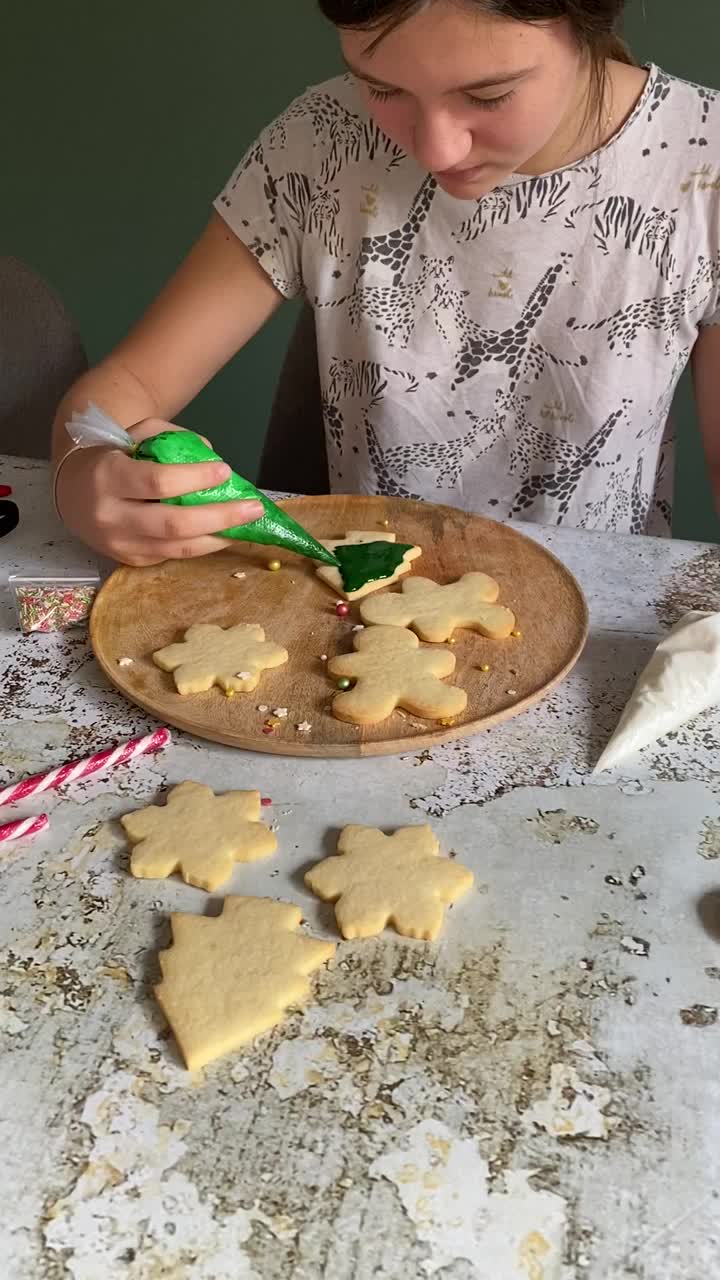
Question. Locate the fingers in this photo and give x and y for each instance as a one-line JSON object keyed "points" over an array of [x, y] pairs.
{"points": [[157, 552], [147, 481], [150, 427], [154, 427], [115, 504], [183, 524]]}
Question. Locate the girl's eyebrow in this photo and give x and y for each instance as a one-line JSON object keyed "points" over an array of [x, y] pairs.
{"points": [[488, 82]]}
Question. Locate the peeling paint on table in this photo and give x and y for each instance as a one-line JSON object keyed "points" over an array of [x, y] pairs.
{"points": [[533, 1098]]}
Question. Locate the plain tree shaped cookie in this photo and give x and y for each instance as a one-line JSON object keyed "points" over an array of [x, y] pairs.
{"points": [[231, 657], [378, 880], [434, 611], [228, 978], [391, 670], [199, 834]]}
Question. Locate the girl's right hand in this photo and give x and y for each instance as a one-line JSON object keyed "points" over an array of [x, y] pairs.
{"points": [[112, 503]]}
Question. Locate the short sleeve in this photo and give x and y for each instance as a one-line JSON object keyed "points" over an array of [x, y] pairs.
{"points": [[265, 202], [711, 317], [711, 313], [711, 310]]}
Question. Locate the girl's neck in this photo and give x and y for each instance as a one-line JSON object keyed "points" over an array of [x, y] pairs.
{"points": [[585, 129]]}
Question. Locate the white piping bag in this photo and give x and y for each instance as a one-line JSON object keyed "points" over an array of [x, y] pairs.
{"points": [[681, 679]]}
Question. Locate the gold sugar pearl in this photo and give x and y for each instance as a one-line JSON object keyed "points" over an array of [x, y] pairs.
{"points": [[517, 635], [229, 693], [274, 566], [485, 667]]}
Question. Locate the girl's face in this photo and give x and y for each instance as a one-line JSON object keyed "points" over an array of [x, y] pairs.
{"points": [[473, 97]]}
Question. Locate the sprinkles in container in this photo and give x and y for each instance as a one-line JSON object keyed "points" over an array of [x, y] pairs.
{"points": [[53, 604]]}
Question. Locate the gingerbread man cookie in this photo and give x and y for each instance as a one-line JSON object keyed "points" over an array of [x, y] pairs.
{"points": [[231, 657], [434, 611], [377, 880], [199, 834], [391, 670], [361, 537], [228, 978]]}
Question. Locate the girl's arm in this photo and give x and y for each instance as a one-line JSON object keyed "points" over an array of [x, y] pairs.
{"points": [[216, 301]]}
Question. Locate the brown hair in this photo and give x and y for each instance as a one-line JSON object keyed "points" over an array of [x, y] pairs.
{"points": [[594, 23]]}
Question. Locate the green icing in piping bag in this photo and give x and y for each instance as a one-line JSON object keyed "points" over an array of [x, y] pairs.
{"points": [[274, 529]]}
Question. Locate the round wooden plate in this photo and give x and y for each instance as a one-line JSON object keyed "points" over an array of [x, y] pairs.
{"points": [[141, 610]]}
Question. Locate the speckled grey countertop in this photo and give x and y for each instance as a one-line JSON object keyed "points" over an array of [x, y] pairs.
{"points": [[527, 1100]]}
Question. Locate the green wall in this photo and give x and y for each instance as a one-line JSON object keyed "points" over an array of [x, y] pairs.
{"points": [[126, 119], [683, 39]]}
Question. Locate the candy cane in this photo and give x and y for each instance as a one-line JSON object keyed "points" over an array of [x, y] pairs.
{"points": [[76, 769], [24, 827]]}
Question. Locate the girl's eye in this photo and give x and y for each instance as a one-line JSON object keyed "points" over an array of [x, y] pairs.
{"points": [[485, 104], [491, 104]]}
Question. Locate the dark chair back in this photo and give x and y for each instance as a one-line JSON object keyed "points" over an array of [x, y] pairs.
{"points": [[41, 355], [294, 458]]}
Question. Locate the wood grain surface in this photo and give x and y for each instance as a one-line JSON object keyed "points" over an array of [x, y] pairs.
{"points": [[141, 610]]}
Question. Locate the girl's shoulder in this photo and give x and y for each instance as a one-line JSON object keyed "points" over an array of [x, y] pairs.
{"points": [[670, 143], [323, 132], [686, 112], [322, 107]]}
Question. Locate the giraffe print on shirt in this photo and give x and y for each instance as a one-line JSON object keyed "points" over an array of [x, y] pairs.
{"points": [[515, 346], [560, 484], [445, 458]]}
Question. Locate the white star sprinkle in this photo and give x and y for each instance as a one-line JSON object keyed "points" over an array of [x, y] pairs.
{"points": [[305, 727], [281, 713]]}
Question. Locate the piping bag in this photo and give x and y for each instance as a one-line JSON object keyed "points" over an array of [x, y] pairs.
{"points": [[274, 529], [681, 679]]}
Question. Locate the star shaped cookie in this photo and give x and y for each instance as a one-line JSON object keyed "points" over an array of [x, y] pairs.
{"points": [[378, 880], [199, 834], [231, 657]]}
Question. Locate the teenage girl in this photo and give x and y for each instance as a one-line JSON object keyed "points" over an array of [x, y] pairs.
{"points": [[510, 237]]}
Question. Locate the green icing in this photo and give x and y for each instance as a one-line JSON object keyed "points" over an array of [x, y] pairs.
{"points": [[364, 562], [274, 529]]}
